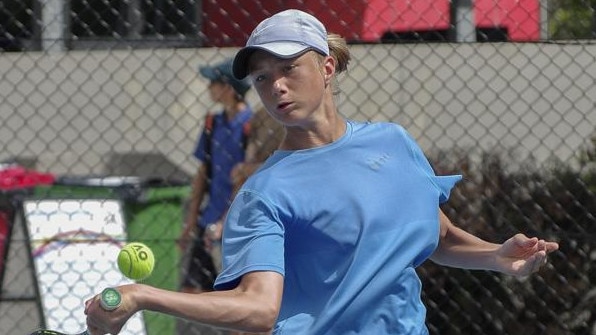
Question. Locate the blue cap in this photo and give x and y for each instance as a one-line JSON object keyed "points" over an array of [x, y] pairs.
{"points": [[223, 72], [286, 34]]}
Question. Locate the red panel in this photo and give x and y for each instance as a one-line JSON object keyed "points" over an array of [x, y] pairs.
{"points": [[343, 18], [521, 18], [404, 16], [229, 22]]}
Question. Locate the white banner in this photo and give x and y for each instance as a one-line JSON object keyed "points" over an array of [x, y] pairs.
{"points": [[74, 246]]}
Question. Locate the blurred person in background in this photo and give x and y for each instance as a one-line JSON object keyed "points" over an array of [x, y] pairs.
{"points": [[221, 146]]}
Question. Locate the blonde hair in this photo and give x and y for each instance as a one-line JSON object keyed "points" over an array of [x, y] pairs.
{"points": [[338, 49]]}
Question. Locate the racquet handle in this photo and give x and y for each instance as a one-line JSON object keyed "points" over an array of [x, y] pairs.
{"points": [[109, 300]]}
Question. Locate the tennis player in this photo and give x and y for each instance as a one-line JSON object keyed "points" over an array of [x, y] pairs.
{"points": [[325, 238]]}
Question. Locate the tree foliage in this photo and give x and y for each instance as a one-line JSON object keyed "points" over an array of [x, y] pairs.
{"points": [[553, 202], [572, 19]]}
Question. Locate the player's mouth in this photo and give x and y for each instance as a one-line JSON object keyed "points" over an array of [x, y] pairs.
{"points": [[284, 106]]}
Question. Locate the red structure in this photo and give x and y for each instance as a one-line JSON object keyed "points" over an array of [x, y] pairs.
{"points": [[228, 22], [12, 179]]}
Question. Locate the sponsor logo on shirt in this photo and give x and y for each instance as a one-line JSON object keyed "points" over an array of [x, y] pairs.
{"points": [[376, 163]]}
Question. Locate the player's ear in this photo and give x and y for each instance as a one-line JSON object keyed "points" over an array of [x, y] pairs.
{"points": [[328, 68]]}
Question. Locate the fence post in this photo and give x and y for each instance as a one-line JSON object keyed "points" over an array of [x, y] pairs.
{"points": [[463, 15]]}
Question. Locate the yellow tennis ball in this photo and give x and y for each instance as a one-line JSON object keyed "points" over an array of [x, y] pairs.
{"points": [[136, 261]]}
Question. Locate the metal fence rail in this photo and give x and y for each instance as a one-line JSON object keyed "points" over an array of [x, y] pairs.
{"points": [[501, 92]]}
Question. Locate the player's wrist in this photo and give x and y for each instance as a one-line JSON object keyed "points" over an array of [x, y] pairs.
{"points": [[189, 231], [146, 297]]}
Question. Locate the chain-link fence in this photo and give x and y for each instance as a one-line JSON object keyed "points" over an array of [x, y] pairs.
{"points": [[503, 92]]}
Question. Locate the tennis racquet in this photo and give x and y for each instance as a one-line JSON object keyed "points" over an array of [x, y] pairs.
{"points": [[110, 299], [53, 332]]}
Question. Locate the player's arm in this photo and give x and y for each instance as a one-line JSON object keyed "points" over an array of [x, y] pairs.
{"points": [[519, 255], [252, 306]]}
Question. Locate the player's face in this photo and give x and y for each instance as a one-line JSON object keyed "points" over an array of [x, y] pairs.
{"points": [[292, 90]]}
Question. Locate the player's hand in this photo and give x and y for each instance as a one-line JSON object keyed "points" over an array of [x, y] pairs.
{"points": [[100, 321], [521, 256], [213, 233]]}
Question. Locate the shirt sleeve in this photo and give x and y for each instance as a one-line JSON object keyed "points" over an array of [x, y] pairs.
{"points": [[443, 183], [253, 240]]}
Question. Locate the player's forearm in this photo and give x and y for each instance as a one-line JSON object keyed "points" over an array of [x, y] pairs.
{"points": [[226, 309], [460, 249]]}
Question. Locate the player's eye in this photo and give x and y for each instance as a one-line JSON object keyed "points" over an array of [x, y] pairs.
{"points": [[289, 68], [255, 77], [261, 78]]}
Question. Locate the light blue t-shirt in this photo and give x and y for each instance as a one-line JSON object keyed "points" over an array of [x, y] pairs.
{"points": [[346, 224]]}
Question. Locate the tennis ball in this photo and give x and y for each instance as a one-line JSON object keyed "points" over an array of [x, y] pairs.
{"points": [[136, 261]]}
